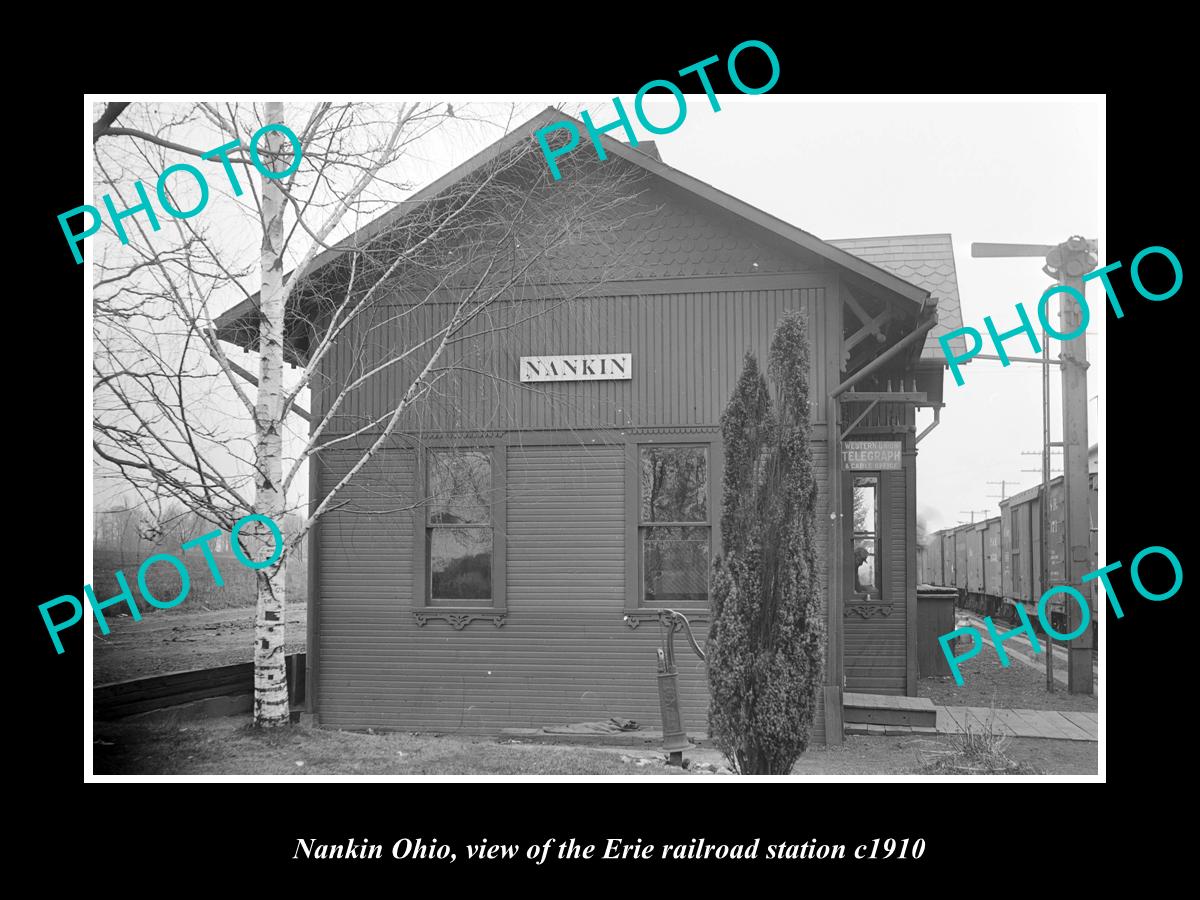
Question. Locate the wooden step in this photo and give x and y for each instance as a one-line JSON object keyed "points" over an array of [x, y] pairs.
{"points": [[885, 709], [910, 730]]}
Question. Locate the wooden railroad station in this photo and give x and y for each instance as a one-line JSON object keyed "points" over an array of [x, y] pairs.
{"points": [[500, 561]]}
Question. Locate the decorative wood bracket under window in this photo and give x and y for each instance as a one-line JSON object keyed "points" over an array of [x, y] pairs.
{"points": [[458, 621], [635, 617], [867, 610]]}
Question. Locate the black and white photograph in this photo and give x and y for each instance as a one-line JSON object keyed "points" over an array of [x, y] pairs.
{"points": [[700, 433]]}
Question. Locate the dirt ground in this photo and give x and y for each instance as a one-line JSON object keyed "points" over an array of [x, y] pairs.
{"points": [[172, 640], [987, 683], [228, 746], [1020, 685]]}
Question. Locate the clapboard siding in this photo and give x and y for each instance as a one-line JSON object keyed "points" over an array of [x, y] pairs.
{"points": [[566, 526], [876, 647], [564, 655], [820, 453], [687, 351]]}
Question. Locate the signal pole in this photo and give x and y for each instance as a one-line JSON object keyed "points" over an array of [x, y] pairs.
{"points": [[1066, 263]]}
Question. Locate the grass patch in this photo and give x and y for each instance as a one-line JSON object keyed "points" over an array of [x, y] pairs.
{"points": [[228, 746], [979, 750], [232, 747]]}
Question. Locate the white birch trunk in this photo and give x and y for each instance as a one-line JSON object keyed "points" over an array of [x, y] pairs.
{"points": [[270, 674]]}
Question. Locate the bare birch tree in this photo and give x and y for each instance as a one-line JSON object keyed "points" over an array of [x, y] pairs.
{"points": [[173, 412]]}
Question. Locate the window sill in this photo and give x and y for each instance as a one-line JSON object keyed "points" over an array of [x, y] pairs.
{"points": [[460, 617]]}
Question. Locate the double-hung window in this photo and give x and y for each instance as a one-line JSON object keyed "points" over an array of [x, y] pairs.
{"points": [[674, 525], [459, 529]]}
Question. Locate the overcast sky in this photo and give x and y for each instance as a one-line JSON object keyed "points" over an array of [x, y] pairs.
{"points": [[1019, 171]]}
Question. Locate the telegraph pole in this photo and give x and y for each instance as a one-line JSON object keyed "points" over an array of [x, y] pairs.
{"points": [[972, 513], [1003, 482]]}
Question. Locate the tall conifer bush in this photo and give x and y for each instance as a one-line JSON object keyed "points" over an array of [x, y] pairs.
{"points": [[766, 645]]}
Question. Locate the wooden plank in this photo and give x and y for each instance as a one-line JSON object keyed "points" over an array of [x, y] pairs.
{"points": [[979, 716], [161, 691], [1036, 723], [850, 300], [869, 329], [1071, 731], [887, 701], [888, 396], [1085, 722], [949, 719], [1055, 721]]}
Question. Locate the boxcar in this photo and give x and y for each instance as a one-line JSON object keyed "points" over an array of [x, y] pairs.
{"points": [[984, 589], [1024, 520], [974, 540], [997, 563], [961, 543], [933, 561], [992, 579], [948, 558], [1023, 548]]}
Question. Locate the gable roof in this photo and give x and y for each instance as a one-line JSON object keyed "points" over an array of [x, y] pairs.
{"points": [[926, 260], [648, 161]]}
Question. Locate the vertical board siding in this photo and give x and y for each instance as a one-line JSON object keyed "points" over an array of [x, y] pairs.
{"points": [[974, 538], [820, 452], [1006, 546], [991, 564], [962, 543], [934, 558], [876, 647], [687, 354]]}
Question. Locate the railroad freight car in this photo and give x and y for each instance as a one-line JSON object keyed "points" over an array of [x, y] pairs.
{"points": [[998, 563], [982, 586], [932, 573]]}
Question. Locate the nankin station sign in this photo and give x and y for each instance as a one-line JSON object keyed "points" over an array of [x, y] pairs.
{"points": [[596, 367], [870, 454]]}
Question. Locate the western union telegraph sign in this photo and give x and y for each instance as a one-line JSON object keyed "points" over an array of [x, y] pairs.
{"points": [[597, 367], [870, 454]]}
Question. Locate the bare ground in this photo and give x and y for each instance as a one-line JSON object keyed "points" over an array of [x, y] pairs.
{"points": [[172, 640], [228, 746], [1019, 686]]}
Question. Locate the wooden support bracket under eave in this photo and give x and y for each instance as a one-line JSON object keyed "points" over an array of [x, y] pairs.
{"points": [[920, 398]]}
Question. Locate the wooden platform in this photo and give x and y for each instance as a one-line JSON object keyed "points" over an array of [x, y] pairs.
{"points": [[888, 711], [1038, 723], [140, 695]]}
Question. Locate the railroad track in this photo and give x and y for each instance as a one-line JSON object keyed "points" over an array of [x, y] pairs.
{"points": [[139, 695]]}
